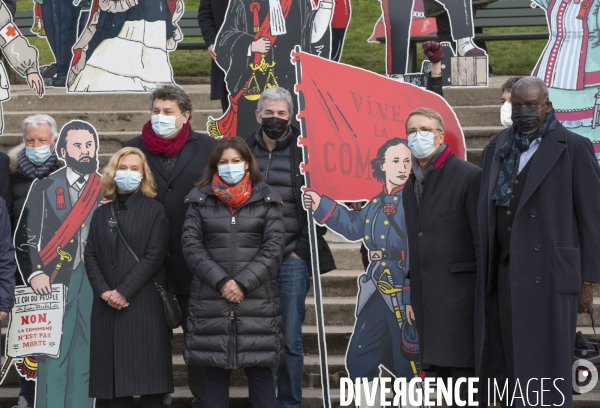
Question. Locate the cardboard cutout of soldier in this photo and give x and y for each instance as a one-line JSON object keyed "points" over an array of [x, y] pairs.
{"points": [[570, 64], [22, 57], [253, 48], [125, 46], [49, 240]]}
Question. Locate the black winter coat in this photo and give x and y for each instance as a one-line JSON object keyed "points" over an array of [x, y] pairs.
{"points": [[5, 182], [296, 182], [211, 15], [247, 246], [443, 242], [553, 248], [171, 191], [130, 349]]}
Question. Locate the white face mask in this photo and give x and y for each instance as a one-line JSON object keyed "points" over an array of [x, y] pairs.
{"points": [[505, 114], [421, 144], [164, 125]]}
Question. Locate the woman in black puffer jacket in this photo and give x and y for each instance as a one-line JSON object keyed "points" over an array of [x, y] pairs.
{"points": [[233, 241]]}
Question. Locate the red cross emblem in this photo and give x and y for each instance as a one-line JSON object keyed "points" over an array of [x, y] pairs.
{"points": [[11, 31]]}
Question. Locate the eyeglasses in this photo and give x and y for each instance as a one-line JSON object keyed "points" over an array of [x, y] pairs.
{"points": [[422, 132]]}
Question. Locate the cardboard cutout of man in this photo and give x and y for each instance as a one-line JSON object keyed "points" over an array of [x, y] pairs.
{"points": [[125, 46], [397, 18], [49, 241], [570, 64], [22, 56], [253, 47], [384, 335]]}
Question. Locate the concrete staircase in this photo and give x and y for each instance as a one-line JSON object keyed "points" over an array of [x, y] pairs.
{"points": [[120, 117]]}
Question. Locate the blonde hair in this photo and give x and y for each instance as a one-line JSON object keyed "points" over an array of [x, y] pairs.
{"points": [[109, 187], [428, 113]]}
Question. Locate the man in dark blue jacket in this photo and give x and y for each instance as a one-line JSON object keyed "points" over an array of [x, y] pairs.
{"points": [[275, 146], [8, 266]]}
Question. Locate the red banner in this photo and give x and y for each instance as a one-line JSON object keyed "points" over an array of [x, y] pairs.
{"points": [[347, 114]]}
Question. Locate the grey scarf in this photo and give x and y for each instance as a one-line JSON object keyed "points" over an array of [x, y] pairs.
{"points": [[421, 172]]}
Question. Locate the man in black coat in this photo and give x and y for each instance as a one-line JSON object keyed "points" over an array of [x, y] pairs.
{"points": [[177, 156], [8, 266], [275, 146], [5, 184], [441, 220], [211, 15], [538, 222]]}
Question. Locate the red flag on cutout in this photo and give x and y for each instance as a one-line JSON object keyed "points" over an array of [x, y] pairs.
{"points": [[348, 114]]}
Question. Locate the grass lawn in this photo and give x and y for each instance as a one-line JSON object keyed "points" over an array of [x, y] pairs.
{"points": [[506, 57]]}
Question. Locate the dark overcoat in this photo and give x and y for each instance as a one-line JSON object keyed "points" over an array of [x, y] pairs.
{"points": [[211, 15], [130, 349], [171, 191], [553, 248], [443, 241], [248, 247], [5, 182]]}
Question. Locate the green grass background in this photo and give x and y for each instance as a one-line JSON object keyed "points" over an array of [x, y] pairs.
{"points": [[506, 57]]}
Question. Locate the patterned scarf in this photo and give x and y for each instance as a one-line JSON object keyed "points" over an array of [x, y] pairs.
{"points": [[29, 170], [233, 196], [421, 172], [510, 154]]}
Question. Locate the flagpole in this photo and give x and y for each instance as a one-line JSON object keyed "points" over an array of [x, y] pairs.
{"points": [[312, 233]]}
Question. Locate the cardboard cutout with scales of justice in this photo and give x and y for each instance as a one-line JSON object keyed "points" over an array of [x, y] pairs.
{"points": [[469, 63], [49, 241], [125, 46], [570, 64], [22, 57], [355, 149], [253, 47]]}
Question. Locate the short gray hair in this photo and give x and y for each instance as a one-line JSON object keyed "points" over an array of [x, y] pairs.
{"points": [[532, 82], [35, 120], [173, 93], [276, 93]]}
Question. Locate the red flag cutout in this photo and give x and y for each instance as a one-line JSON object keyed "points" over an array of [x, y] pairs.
{"points": [[348, 113]]}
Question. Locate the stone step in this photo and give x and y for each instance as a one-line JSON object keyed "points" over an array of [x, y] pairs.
{"points": [[104, 120], [347, 256], [337, 338], [22, 99], [478, 115], [337, 311], [338, 283]]}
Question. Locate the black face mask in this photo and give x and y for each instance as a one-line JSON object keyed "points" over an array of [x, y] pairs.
{"points": [[526, 118], [274, 127]]}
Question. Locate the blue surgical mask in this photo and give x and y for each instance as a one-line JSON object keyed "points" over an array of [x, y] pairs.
{"points": [[127, 180], [421, 144], [38, 155], [164, 125], [232, 173]]}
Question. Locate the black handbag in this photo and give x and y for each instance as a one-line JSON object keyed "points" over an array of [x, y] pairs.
{"points": [[172, 310]]}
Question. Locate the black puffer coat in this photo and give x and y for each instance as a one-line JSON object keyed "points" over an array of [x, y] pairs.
{"points": [[247, 246]]}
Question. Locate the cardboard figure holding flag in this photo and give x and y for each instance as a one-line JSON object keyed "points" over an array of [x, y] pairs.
{"points": [[21, 55], [355, 149], [49, 241], [384, 334], [253, 48]]}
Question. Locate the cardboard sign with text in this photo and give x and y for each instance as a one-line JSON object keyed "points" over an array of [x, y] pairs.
{"points": [[36, 321]]}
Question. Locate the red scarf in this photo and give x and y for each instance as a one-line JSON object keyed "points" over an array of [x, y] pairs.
{"points": [[168, 147], [233, 196]]}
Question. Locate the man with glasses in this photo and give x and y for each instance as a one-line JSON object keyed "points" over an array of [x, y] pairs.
{"points": [[538, 215], [440, 203]]}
